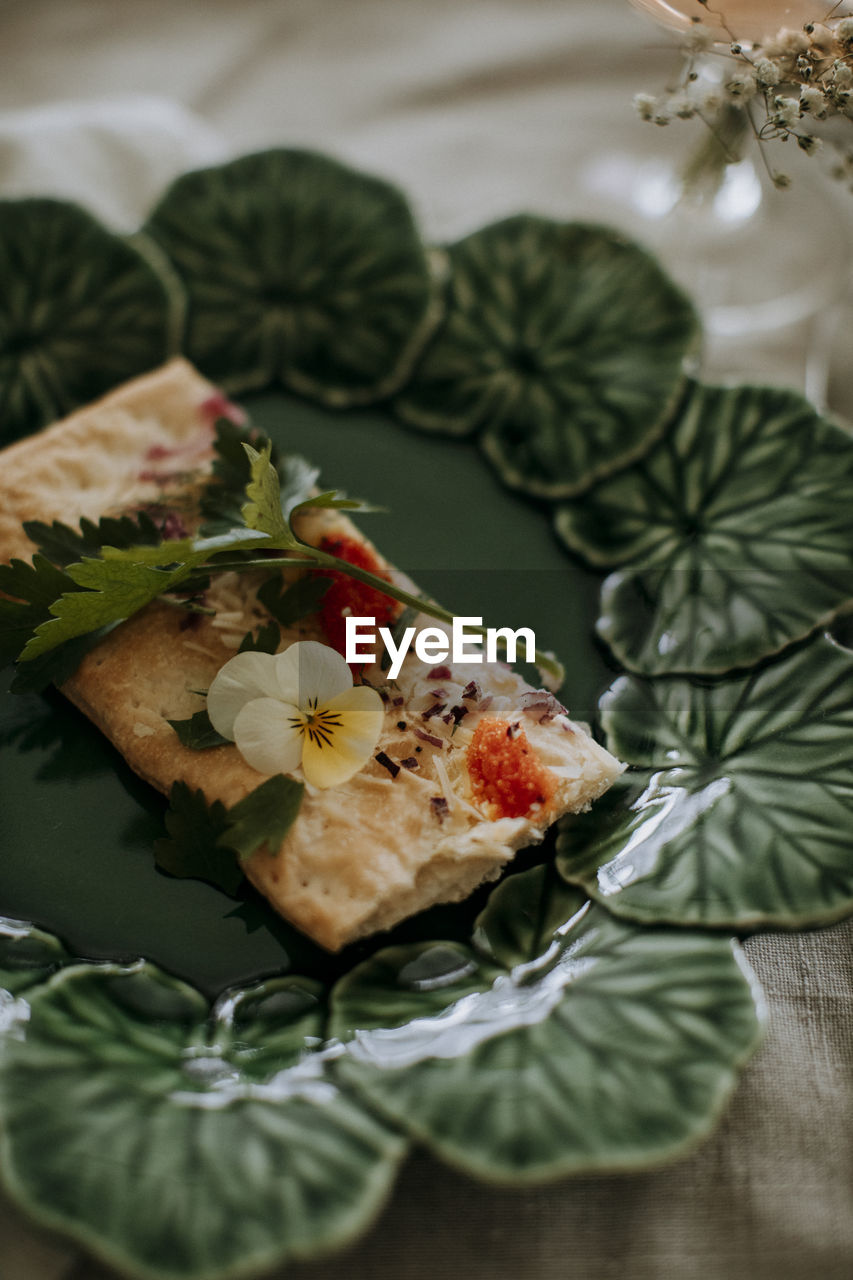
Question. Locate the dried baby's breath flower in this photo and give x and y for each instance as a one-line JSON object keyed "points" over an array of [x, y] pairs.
{"points": [[742, 85], [767, 73], [814, 101], [786, 112], [779, 89], [844, 31], [787, 44], [644, 105]]}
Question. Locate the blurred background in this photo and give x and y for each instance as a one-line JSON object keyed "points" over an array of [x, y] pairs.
{"points": [[478, 109]]}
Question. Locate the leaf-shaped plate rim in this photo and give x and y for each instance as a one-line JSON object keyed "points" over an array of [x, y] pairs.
{"points": [[505, 980], [17, 1016], [635, 783], [273, 166], [638, 565], [515, 477]]}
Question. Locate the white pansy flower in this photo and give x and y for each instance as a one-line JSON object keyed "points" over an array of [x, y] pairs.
{"points": [[295, 708]]}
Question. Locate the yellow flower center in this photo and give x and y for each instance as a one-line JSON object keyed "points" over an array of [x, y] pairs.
{"points": [[317, 723]]}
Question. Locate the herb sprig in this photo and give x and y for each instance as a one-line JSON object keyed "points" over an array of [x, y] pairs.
{"points": [[203, 838], [53, 609]]}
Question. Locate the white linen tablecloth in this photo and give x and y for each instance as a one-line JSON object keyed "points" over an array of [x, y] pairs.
{"points": [[478, 108]]}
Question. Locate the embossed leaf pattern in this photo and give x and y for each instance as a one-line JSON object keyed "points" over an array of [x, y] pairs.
{"points": [[177, 1146], [62, 274], [741, 809], [735, 530], [27, 956], [299, 270], [615, 1047], [565, 342]]}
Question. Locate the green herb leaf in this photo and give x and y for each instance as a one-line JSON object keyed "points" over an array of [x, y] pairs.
{"points": [[63, 545], [164, 555], [124, 580], [192, 849], [267, 639], [198, 733], [297, 479], [115, 591], [192, 551], [57, 665], [34, 588], [263, 817], [117, 585], [333, 499], [263, 510], [289, 605], [37, 583], [222, 501], [230, 464]]}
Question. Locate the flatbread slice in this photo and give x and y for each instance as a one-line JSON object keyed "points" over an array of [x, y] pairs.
{"points": [[426, 820]]}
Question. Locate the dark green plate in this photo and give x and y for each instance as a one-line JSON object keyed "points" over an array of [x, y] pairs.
{"points": [[187, 1085], [89, 874]]}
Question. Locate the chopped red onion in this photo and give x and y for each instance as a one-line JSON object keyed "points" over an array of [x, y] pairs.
{"points": [[541, 706], [387, 763], [440, 807], [455, 714]]}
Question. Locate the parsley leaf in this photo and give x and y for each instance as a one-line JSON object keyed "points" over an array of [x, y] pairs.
{"points": [[223, 497], [57, 666], [263, 817], [116, 589], [266, 641], [198, 733], [203, 838], [263, 510], [335, 500], [117, 585], [296, 478], [63, 545], [289, 605], [48, 613], [192, 850], [34, 588]]}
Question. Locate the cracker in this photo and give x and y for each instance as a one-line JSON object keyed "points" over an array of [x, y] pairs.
{"points": [[363, 855]]}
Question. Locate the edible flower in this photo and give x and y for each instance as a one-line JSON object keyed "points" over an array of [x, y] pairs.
{"points": [[299, 707]]}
